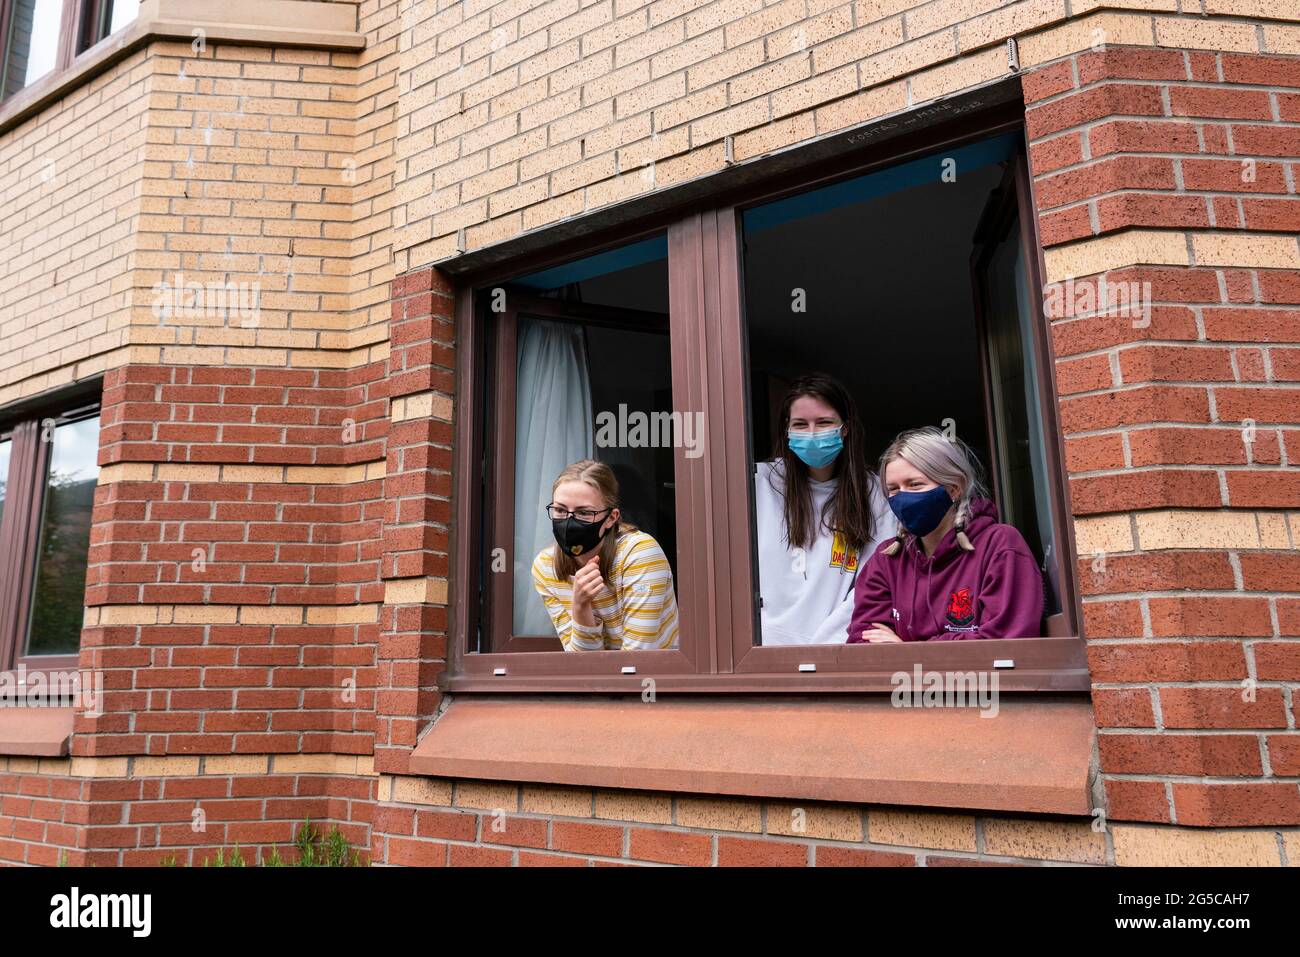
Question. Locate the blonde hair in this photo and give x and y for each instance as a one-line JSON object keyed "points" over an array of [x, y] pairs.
{"points": [[944, 461], [599, 476]]}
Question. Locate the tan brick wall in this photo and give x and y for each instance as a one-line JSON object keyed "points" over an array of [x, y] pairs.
{"points": [[230, 164], [318, 176], [436, 821], [515, 114], [69, 217]]}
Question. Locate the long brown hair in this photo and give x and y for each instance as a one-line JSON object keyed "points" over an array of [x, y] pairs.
{"points": [[600, 477], [848, 510]]}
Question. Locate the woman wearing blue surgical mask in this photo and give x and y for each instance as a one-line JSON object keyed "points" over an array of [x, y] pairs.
{"points": [[819, 513]]}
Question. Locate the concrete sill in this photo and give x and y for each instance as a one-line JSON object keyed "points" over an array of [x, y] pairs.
{"points": [[1034, 756], [35, 732]]}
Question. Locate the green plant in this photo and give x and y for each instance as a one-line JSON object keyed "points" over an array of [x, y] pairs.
{"points": [[314, 849], [333, 850], [236, 859]]}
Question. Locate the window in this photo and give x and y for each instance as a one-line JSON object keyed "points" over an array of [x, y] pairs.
{"points": [[32, 41], [41, 37], [48, 471], [580, 368], [103, 18], [841, 279], [869, 276]]}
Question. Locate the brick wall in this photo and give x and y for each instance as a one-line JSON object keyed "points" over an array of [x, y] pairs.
{"points": [[437, 821], [413, 640], [69, 211], [1179, 169], [307, 455], [234, 589], [148, 811], [515, 114], [266, 167]]}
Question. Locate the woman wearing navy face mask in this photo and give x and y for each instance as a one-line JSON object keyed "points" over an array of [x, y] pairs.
{"points": [[953, 572], [819, 512]]}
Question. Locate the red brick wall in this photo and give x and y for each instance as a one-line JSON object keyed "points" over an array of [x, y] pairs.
{"points": [[1154, 417], [235, 687], [41, 817], [257, 650], [416, 544], [150, 820]]}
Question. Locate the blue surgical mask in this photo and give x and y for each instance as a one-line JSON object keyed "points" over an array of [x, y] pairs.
{"points": [[816, 449], [921, 512]]}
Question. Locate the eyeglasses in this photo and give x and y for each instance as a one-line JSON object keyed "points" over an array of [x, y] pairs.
{"points": [[559, 513]]}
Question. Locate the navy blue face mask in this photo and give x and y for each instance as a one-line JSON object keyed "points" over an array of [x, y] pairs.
{"points": [[921, 512]]}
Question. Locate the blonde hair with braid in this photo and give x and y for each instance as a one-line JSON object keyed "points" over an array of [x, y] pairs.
{"points": [[944, 461]]}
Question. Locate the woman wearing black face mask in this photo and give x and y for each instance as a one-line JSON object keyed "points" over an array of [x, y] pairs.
{"points": [[606, 584]]}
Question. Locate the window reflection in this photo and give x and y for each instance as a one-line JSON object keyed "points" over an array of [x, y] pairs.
{"points": [[58, 598], [6, 447], [122, 13], [33, 47]]}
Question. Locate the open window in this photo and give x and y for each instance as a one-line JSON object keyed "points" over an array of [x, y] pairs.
{"points": [[572, 362], [912, 279], [913, 287]]}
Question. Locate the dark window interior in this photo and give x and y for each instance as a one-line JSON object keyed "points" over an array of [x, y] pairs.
{"points": [[901, 285]]}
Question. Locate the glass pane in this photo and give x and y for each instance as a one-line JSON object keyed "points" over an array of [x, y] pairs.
{"points": [[33, 42], [123, 13], [6, 447], [861, 323], [593, 383], [58, 597], [1021, 461]]}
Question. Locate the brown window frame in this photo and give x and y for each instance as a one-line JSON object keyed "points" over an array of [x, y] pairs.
{"points": [[20, 525], [714, 492], [80, 28], [498, 632]]}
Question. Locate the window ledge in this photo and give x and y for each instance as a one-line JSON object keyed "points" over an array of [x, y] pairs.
{"points": [[289, 23], [35, 732], [1032, 757]]}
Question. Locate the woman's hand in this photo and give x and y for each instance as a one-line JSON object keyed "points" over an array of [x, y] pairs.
{"points": [[587, 585], [879, 633]]}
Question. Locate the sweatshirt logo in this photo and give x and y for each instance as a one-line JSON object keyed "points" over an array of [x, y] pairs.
{"points": [[961, 609], [842, 556]]}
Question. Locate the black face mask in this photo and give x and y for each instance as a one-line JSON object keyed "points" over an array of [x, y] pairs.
{"points": [[575, 536]]}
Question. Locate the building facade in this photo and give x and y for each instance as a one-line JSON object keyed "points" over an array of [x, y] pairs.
{"points": [[271, 277]]}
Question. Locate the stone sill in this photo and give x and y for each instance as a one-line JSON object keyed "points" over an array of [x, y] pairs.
{"points": [[1034, 756], [281, 23], [35, 732]]}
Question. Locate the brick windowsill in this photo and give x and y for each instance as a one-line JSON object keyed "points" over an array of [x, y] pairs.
{"points": [[1034, 756], [35, 732]]}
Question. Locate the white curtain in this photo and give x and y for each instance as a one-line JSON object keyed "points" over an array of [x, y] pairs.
{"points": [[553, 428]]}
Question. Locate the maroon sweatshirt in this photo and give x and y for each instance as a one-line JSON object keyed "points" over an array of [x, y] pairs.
{"points": [[996, 591]]}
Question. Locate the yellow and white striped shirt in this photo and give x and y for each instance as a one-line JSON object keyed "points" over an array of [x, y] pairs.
{"points": [[639, 614]]}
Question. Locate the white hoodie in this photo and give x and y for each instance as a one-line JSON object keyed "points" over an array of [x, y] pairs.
{"points": [[808, 597]]}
